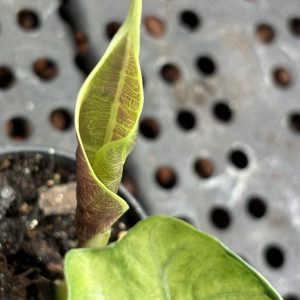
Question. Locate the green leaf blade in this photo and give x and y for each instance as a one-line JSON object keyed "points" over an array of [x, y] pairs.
{"points": [[164, 258], [106, 118]]}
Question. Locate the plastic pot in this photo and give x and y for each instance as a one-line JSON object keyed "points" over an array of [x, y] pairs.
{"points": [[32, 242]]}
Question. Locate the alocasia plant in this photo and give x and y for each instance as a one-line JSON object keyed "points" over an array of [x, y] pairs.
{"points": [[162, 257], [107, 113]]}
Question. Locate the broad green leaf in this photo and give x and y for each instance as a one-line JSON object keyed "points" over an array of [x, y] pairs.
{"points": [[163, 258], [106, 118]]}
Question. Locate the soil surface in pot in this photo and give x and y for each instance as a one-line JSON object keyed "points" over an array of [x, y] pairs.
{"points": [[37, 223]]}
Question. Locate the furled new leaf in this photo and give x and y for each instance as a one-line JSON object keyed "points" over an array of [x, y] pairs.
{"points": [[107, 112], [163, 258]]}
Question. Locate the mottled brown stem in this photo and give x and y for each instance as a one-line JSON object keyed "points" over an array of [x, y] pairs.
{"points": [[94, 212]]}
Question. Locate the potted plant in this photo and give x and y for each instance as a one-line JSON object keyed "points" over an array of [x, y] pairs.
{"points": [[37, 219], [161, 257]]}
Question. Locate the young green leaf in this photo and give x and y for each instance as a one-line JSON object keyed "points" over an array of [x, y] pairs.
{"points": [[163, 258], [107, 113]]}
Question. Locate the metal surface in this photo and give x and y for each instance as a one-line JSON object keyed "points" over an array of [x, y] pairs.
{"points": [[29, 97], [261, 104]]}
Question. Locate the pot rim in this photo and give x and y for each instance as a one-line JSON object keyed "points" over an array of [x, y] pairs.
{"points": [[17, 149], [36, 148]]}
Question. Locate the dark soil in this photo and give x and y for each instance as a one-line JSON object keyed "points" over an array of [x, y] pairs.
{"points": [[32, 245], [32, 241]]}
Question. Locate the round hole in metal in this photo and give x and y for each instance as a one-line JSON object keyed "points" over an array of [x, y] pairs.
{"points": [[189, 20], [155, 26], [239, 159], [28, 19], [170, 73], [204, 167], [112, 28], [149, 128], [256, 207], [82, 42], [166, 177], [18, 128], [294, 122], [220, 218], [274, 256], [7, 77], [61, 119], [206, 65], [265, 33], [294, 25], [222, 112], [282, 77], [186, 119], [45, 68]]}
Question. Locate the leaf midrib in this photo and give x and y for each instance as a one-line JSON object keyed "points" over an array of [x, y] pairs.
{"points": [[116, 104]]}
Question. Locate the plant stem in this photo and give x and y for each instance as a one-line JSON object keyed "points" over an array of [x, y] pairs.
{"points": [[99, 240]]}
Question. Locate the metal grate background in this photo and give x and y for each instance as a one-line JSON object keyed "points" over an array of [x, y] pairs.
{"points": [[220, 131]]}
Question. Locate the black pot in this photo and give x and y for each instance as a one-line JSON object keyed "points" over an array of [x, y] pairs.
{"points": [[66, 161], [30, 237]]}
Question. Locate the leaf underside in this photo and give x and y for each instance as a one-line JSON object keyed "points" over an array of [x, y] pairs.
{"points": [[107, 113], [163, 258]]}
